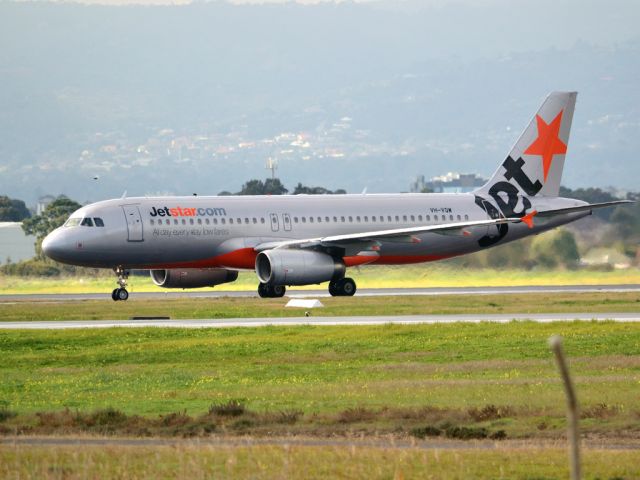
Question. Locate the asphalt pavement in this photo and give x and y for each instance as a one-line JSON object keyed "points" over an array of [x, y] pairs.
{"points": [[323, 293]]}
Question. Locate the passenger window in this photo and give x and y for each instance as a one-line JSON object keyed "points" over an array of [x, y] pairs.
{"points": [[319, 219], [428, 217], [261, 219], [413, 218], [231, 221], [215, 221], [373, 218], [191, 221], [295, 219], [397, 218], [419, 218], [459, 218], [223, 221], [206, 220], [435, 218], [246, 220], [310, 219], [342, 219], [366, 219], [466, 217], [335, 219], [239, 221], [98, 221], [389, 218], [175, 222], [404, 218], [358, 218], [199, 221], [451, 217], [304, 219], [326, 219], [86, 222], [350, 219], [255, 220]]}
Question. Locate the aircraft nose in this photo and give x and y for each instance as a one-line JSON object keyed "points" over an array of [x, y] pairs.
{"points": [[54, 246]]}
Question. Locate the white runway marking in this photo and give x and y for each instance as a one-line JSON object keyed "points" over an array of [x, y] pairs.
{"points": [[319, 321]]}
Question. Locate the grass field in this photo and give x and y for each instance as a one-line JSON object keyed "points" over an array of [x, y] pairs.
{"points": [[367, 277], [228, 307], [419, 380], [269, 462]]}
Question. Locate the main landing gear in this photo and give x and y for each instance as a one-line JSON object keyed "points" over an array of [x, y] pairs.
{"points": [[267, 290], [345, 287], [121, 293]]}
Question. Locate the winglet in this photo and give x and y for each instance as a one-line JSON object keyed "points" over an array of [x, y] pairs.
{"points": [[528, 218]]}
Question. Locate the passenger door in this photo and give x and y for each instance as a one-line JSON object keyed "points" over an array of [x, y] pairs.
{"points": [[275, 223], [286, 222], [134, 223]]}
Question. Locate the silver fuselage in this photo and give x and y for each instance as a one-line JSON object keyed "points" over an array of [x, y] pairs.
{"points": [[222, 231]]}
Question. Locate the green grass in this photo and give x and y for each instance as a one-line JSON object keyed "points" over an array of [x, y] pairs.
{"points": [[415, 276], [268, 462], [228, 307], [372, 379]]}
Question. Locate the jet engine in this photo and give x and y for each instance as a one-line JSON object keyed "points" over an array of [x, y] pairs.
{"points": [[297, 267], [192, 277]]}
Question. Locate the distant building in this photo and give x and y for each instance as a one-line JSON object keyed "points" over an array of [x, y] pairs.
{"points": [[452, 182], [43, 202]]}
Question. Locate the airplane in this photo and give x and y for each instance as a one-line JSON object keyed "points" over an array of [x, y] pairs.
{"points": [[290, 240]]}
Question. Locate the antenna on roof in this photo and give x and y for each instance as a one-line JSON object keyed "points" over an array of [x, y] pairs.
{"points": [[124, 194], [273, 166]]}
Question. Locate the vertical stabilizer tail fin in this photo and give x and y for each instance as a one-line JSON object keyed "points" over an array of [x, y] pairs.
{"points": [[535, 163]]}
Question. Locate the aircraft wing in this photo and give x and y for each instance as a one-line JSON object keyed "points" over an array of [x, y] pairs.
{"points": [[400, 235]]}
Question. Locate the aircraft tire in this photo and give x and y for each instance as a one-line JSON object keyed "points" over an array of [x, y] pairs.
{"points": [[345, 287], [122, 294], [263, 290], [278, 291], [114, 295], [333, 289]]}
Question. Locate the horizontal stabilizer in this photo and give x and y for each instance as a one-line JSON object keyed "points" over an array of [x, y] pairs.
{"points": [[582, 208]]}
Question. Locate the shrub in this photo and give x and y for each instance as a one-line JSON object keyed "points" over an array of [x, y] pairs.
{"points": [[466, 433], [428, 431], [489, 412], [233, 408], [6, 414]]}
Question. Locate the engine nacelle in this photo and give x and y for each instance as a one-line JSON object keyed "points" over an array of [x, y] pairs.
{"points": [[192, 277], [297, 267]]}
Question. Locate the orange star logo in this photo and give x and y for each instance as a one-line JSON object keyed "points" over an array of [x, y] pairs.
{"points": [[548, 143]]}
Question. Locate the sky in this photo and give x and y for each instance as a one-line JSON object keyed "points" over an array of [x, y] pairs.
{"points": [[428, 86]]}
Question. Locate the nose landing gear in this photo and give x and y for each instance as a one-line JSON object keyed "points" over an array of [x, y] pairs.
{"points": [[121, 293]]}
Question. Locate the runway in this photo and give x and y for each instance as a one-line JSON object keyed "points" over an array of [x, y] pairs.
{"points": [[323, 293], [322, 321]]}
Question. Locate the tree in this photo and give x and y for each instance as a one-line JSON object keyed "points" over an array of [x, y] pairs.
{"points": [[53, 217], [12, 210], [303, 189], [557, 247], [271, 186]]}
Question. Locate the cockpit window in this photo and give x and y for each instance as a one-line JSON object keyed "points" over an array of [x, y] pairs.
{"points": [[98, 222], [87, 222], [73, 222]]}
